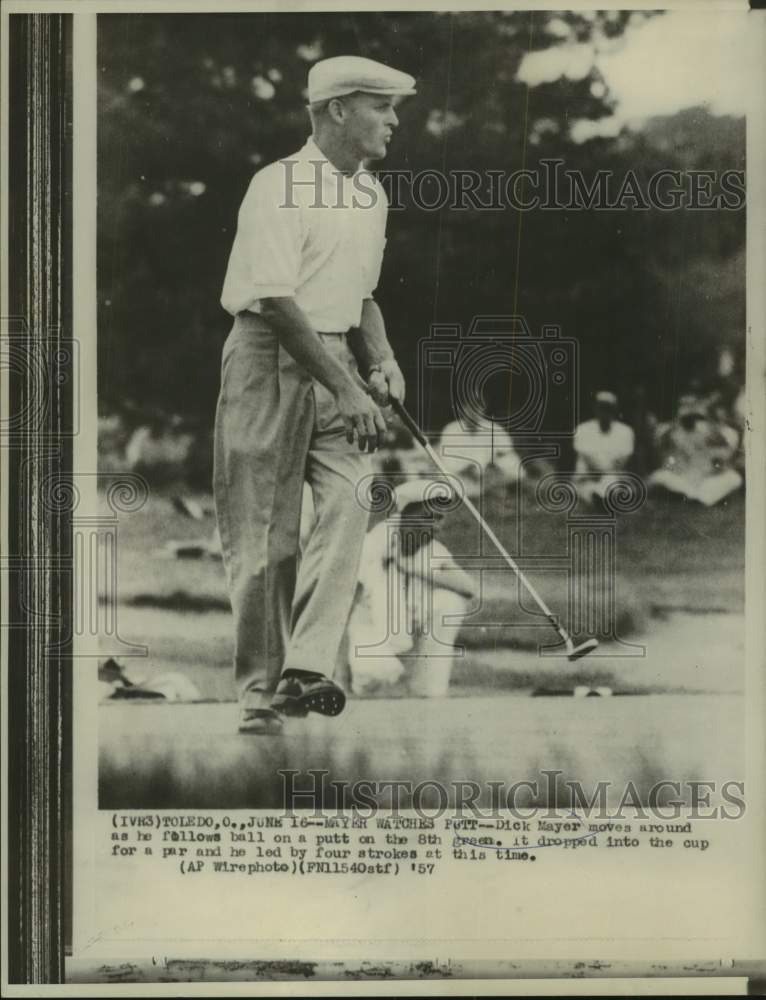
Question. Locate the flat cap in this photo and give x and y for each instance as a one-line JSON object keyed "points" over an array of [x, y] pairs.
{"points": [[342, 75], [606, 398]]}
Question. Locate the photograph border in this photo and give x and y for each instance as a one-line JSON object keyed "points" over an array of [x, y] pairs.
{"points": [[37, 455], [37, 335]]}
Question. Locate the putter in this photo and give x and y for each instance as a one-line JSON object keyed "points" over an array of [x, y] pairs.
{"points": [[573, 652]]}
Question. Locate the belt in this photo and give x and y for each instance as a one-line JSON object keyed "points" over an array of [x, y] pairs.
{"points": [[255, 320]]}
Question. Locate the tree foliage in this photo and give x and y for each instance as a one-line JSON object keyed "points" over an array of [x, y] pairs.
{"points": [[191, 105]]}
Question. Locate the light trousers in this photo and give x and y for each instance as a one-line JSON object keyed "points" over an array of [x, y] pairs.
{"points": [[276, 428]]}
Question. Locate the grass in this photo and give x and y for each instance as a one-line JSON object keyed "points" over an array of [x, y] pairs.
{"points": [[190, 756], [667, 557]]}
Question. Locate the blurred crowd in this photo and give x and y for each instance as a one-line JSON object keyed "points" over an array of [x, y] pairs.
{"points": [[696, 456], [411, 593]]}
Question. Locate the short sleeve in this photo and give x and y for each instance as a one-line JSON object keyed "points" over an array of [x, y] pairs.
{"points": [[266, 255], [378, 215]]}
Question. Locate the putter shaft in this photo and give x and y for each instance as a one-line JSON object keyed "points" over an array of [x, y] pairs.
{"points": [[572, 651]]}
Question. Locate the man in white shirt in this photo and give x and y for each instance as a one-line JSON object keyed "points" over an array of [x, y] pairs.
{"points": [[470, 447], [292, 407], [603, 446]]}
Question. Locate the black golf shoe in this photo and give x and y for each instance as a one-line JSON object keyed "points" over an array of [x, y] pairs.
{"points": [[302, 691]]}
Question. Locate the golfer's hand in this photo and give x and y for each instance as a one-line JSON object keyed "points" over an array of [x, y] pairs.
{"points": [[387, 383], [362, 417]]}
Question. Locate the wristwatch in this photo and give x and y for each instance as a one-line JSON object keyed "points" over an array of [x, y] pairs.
{"points": [[378, 366]]}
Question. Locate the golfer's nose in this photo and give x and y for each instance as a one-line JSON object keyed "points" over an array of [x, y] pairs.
{"points": [[392, 119]]}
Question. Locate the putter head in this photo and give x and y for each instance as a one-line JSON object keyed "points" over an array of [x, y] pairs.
{"points": [[583, 649]]}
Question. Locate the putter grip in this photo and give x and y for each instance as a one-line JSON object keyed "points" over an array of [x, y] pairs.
{"points": [[408, 422]]}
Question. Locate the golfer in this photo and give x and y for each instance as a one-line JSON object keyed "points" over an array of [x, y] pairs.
{"points": [[293, 406]]}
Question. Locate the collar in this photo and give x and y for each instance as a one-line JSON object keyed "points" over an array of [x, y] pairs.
{"points": [[312, 153]]}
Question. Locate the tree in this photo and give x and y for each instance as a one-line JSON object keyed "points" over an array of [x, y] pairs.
{"points": [[191, 105]]}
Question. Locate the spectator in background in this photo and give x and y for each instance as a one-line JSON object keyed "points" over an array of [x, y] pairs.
{"points": [[160, 449], [698, 456], [603, 446], [403, 596], [470, 447]]}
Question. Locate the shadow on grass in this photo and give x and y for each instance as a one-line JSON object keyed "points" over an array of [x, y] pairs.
{"points": [[181, 601], [272, 774]]}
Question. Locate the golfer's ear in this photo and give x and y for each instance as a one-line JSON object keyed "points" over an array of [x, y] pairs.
{"points": [[336, 109]]}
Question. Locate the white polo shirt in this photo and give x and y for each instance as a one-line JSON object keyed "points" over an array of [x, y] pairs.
{"points": [[600, 451], [308, 231]]}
